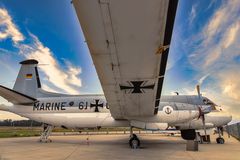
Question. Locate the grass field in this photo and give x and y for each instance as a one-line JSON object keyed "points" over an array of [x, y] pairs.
{"points": [[6, 132]]}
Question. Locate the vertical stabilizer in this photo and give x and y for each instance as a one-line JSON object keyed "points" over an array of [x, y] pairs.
{"points": [[28, 81]]}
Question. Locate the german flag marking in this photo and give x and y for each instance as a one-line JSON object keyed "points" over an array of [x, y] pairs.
{"points": [[28, 76]]}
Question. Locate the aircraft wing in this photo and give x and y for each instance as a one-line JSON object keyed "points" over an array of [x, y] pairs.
{"points": [[15, 97], [129, 44]]}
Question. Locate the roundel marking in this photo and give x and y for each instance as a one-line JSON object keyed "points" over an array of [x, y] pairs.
{"points": [[167, 109]]}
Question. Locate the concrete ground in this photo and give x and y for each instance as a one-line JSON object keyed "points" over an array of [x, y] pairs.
{"points": [[112, 147]]}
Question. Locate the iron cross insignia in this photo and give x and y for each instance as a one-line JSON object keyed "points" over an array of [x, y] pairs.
{"points": [[96, 105], [137, 86]]}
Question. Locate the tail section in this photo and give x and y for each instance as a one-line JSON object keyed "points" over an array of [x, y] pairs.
{"points": [[28, 81]]}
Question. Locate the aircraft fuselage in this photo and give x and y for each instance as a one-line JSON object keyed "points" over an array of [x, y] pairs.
{"points": [[89, 111]]}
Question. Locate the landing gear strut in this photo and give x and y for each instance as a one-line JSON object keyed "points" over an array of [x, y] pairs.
{"points": [[220, 140], [203, 139], [134, 142], [47, 129]]}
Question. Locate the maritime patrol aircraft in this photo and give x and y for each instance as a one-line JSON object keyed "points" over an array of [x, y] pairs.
{"points": [[185, 113], [129, 41]]}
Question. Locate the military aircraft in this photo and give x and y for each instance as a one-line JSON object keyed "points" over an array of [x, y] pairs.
{"points": [[129, 41], [92, 111]]}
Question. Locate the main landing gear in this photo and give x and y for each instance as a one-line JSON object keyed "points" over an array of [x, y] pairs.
{"points": [[47, 129], [220, 140], [134, 142]]}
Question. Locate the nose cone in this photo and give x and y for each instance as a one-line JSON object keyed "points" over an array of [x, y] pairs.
{"points": [[227, 117], [218, 118], [224, 119]]}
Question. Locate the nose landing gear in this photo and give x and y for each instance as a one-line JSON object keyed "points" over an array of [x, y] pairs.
{"points": [[220, 140]]}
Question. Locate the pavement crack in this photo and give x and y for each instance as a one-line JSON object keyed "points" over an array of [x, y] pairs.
{"points": [[71, 153]]}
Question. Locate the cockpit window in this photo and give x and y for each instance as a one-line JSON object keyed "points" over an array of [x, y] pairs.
{"points": [[206, 101]]}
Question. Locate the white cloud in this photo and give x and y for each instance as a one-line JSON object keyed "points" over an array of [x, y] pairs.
{"points": [[193, 14], [59, 78], [217, 51], [218, 45], [217, 36], [67, 80], [73, 73], [229, 82], [8, 29], [231, 35], [212, 3], [7, 115], [48, 88], [202, 79], [221, 19]]}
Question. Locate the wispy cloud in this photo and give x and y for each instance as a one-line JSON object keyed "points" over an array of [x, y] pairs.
{"points": [[222, 18], [8, 29], [201, 80], [214, 54], [217, 36], [222, 47], [193, 14], [48, 88], [212, 2], [64, 79]]}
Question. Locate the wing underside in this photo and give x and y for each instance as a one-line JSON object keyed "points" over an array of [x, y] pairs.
{"points": [[129, 44]]}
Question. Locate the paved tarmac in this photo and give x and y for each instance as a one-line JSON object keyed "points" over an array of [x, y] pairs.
{"points": [[110, 147]]}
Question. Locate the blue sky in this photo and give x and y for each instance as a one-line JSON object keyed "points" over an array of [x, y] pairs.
{"points": [[204, 48], [56, 27]]}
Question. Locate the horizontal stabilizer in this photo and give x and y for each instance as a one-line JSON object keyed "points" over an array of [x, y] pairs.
{"points": [[15, 97]]}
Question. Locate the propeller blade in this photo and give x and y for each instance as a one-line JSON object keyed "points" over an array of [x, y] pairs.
{"points": [[203, 109], [198, 91], [204, 126]]}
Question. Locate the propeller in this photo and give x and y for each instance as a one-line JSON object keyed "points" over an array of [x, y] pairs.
{"points": [[203, 109], [199, 93]]}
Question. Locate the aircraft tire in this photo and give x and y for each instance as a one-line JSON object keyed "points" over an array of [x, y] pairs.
{"points": [[220, 140], [134, 142]]}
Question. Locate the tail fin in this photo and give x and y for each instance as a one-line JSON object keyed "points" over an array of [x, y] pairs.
{"points": [[28, 81]]}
